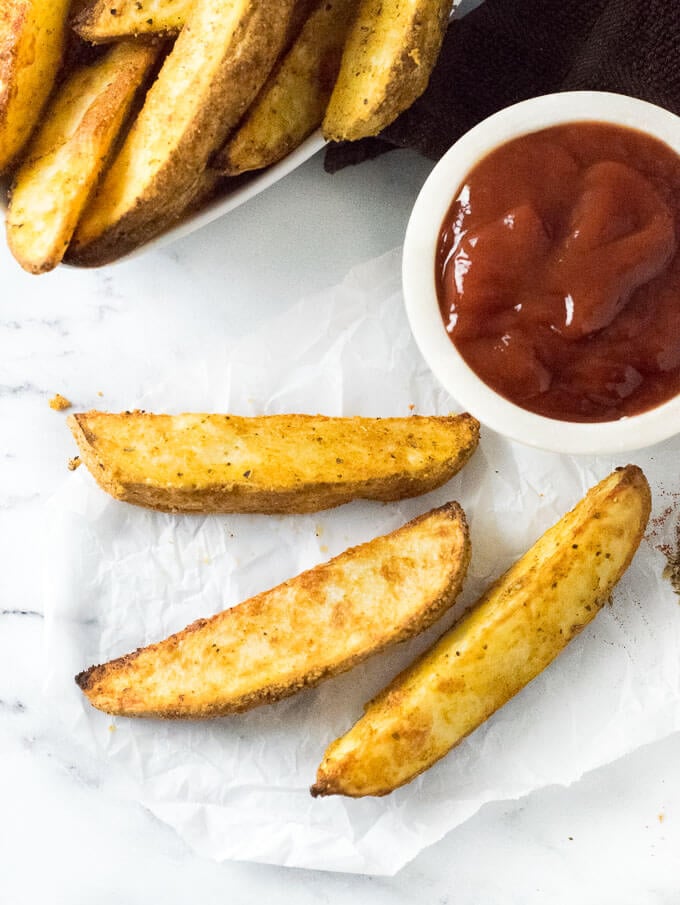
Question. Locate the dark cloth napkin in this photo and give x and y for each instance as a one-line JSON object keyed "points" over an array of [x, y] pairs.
{"points": [[509, 50]]}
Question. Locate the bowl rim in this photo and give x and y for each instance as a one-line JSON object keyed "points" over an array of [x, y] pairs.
{"points": [[418, 275]]}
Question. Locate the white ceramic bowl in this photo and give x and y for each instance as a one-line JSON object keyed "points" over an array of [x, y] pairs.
{"points": [[434, 200]]}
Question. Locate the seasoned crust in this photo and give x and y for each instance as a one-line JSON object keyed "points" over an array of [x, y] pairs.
{"points": [[389, 55], [96, 22], [319, 624], [270, 464]]}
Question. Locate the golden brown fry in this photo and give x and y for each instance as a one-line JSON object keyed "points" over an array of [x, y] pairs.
{"points": [[292, 103], [218, 64], [68, 155], [312, 627], [517, 628], [110, 20], [32, 41], [390, 53], [276, 463]]}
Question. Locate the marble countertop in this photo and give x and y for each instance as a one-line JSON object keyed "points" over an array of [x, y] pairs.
{"points": [[102, 338]]}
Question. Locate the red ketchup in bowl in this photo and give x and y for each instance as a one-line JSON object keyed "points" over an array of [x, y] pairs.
{"points": [[558, 272]]}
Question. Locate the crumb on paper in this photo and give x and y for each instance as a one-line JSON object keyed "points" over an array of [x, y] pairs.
{"points": [[60, 403], [99, 393], [74, 463], [113, 727], [411, 407], [324, 548], [318, 530], [661, 817]]}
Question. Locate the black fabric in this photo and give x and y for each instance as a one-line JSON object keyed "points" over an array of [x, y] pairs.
{"points": [[509, 50]]}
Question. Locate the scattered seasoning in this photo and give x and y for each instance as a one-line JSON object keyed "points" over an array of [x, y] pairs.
{"points": [[60, 403], [73, 463], [672, 553], [664, 535]]}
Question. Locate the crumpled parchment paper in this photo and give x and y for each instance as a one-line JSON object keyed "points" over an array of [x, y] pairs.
{"points": [[237, 788]]}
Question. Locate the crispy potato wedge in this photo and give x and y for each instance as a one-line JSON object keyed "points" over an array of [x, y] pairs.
{"points": [[270, 464], [68, 155], [110, 20], [292, 103], [32, 42], [218, 64], [312, 627], [390, 53], [517, 628]]}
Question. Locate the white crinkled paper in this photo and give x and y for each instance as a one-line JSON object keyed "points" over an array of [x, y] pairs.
{"points": [[237, 788]]}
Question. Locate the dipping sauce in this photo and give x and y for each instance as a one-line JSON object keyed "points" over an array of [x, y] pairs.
{"points": [[558, 273]]}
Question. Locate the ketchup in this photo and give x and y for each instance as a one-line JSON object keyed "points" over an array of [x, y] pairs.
{"points": [[558, 273]]}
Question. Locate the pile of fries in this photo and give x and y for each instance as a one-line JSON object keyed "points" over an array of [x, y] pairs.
{"points": [[176, 96]]}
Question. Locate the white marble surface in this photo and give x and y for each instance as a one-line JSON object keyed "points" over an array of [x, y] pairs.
{"points": [[612, 837]]}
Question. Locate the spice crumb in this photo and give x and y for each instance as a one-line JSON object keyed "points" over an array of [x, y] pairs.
{"points": [[60, 403], [73, 463], [661, 818]]}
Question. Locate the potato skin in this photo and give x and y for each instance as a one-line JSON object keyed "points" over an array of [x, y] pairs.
{"points": [[133, 17], [69, 152], [319, 624], [32, 43], [271, 464], [514, 631], [218, 64], [388, 58]]}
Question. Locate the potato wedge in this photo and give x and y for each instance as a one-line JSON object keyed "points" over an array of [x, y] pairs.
{"points": [[218, 64], [110, 20], [389, 56], [276, 463], [312, 627], [68, 155], [292, 103], [517, 628], [32, 42]]}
